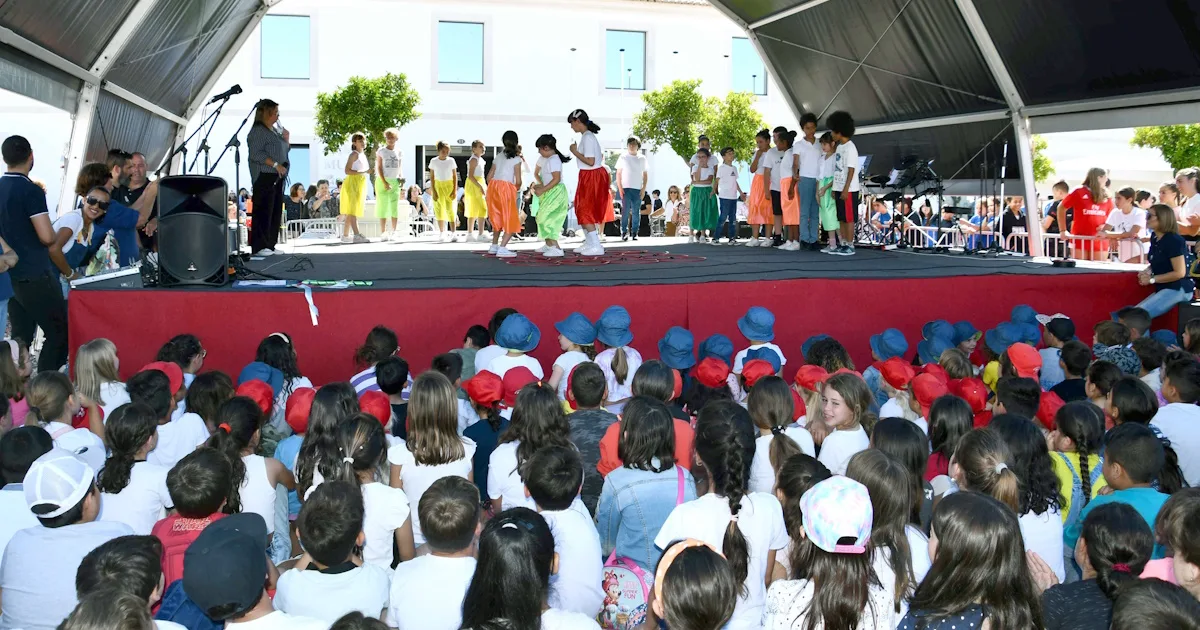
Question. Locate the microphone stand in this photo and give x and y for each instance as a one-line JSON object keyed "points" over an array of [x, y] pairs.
{"points": [[237, 179], [204, 141], [182, 149]]}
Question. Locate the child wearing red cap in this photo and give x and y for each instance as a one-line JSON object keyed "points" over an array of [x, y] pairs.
{"points": [[926, 388], [895, 376], [377, 405], [807, 383], [771, 408], [486, 393], [296, 411], [711, 383], [847, 401]]}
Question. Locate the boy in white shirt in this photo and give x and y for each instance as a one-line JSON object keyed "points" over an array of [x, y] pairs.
{"points": [[758, 326], [518, 335], [554, 477], [330, 580], [729, 192], [1179, 419], [845, 178], [157, 387], [632, 176], [427, 591]]}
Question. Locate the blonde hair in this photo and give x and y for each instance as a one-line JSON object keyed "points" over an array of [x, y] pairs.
{"points": [[620, 365], [982, 457], [477, 144], [391, 131], [674, 190], [1093, 182], [95, 365], [855, 395], [903, 398], [956, 363], [433, 421], [49, 394]]}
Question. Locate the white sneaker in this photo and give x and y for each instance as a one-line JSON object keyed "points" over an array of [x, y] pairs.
{"points": [[359, 238], [493, 249], [264, 252], [347, 239], [504, 252], [753, 242], [543, 249], [554, 252], [396, 237], [453, 238], [593, 250]]}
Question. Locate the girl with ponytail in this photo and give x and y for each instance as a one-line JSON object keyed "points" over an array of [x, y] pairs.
{"points": [[980, 463], [318, 458], [503, 183], [619, 361], [593, 197], [1041, 501], [239, 422], [759, 201], [746, 527], [551, 194], [789, 180], [362, 447], [52, 405], [771, 407], [132, 490]]}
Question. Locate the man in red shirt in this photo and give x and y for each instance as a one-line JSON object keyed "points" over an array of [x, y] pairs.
{"points": [[199, 485], [1091, 204]]}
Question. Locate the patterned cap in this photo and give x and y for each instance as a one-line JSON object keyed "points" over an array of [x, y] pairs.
{"points": [[837, 508]]}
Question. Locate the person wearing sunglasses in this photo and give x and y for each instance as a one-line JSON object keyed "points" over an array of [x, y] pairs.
{"points": [[73, 233], [121, 220]]}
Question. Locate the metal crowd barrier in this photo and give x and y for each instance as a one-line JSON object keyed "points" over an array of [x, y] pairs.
{"points": [[1056, 246]]}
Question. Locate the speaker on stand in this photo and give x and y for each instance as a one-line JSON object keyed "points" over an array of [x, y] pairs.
{"points": [[193, 231]]}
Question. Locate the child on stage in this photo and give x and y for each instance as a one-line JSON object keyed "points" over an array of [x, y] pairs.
{"points": [[592, 192], [474, 192], [551, 195], [387, 169], [703, 202], [829, 219], [760, 191], [502, 188], [444, 173], [354, 189], [789, 179], [729, 192]]}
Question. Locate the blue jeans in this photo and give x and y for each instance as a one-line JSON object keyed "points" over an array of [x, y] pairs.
{"points": [[1162, 301], [631, 211], [4, 316], [810, 211], [728, 217]]}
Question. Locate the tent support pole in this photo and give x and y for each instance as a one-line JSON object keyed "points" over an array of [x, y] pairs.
{"points": [[1033, 215]]}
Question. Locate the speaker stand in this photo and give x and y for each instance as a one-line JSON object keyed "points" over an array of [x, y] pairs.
{"points": [[236, 258]]}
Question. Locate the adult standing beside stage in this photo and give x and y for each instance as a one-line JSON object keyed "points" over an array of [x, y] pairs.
{"points": [[809, 151], [268, 158], [25, 225]]}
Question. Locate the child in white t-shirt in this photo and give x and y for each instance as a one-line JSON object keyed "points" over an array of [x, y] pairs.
{"points": [[386, 520], [847, 400], [758, 326], [518, 336], [577, 338], [428, 591], [729, 192], [132, 490], [771, 407], [53, 402], [154, 387], [434, 448]]}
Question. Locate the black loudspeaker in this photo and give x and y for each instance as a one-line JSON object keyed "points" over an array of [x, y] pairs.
{"points": [[193, 244]]}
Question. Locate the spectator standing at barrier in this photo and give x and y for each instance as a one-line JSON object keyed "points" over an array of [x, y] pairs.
{"points": [[1125, 223], [808, 149], [1167, 273], [268, 158], [1014, 221], [325, 205], [25, 225], [293, 205], [1050, 223]]}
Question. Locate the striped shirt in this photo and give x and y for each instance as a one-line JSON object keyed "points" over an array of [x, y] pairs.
{"points": [[263, 143], [365, 381]]}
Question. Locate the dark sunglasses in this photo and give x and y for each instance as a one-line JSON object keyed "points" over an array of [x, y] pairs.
{"points": [[92, 201]]}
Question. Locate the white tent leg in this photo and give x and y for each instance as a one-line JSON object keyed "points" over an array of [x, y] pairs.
{"points": [[81, 131], [1033, 216]]}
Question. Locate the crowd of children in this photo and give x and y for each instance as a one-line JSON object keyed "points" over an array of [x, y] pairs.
{"points": [[966, 480]]}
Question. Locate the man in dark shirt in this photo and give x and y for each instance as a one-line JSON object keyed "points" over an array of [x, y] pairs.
{"points": [[129, 193], [25, 225]]}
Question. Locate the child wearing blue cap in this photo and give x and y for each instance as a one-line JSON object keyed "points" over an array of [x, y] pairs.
{"points": [[758, 326], [517, 335], [577, 339], [619, 361], [886, 345]]}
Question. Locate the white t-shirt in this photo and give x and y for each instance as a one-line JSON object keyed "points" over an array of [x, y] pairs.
{"points": [[740, 357], [73, 221], [769, 160], [503, 363], [504, 481], [37, 574], [466, 416], [114, 395], [391, 162], [416, 478], [844, 159], [632, 168], [787, 161], [506, 168], [702, 173], [810, 157], [616, 390], [918, 551], [257, 492], [484, 356], [16, 514], [576, 586], [384, 511], [279, 620], [329, 596], [827, 166], [669, 207], [1191, 207], [727, 184], [840, 446], [1122, 222], [142, 503], [567, 361], [891, 409], [922, 424], [589, 147], [1043, 535], [788, 601], [178, 438], [549, 166], [427, 593], [762, 475], [443, 169], [554, 619], [761, 521], [82, 442], [1180, 423]]}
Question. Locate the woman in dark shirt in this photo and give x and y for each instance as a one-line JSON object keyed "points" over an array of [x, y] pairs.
{"points": [[294, 207], [1167, 273]]}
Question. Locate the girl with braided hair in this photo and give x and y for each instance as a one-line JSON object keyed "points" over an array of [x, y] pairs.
{"points": [[132, 490], [746, 527]]}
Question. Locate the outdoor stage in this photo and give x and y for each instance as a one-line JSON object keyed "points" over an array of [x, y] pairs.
{"points": [[430, 294]]}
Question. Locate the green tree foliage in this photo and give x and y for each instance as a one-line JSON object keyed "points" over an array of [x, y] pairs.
{"points": [[367, 105], [1178, 144], [673, 116], [1043, 168], [733, 123]]}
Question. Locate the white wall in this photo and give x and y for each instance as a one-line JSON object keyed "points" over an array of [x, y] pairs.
{"points": [[48, 130]]}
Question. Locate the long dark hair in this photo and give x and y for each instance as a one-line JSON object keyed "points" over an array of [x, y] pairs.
{"points": [[1040, 490], [277, 352], [381, 343], [207, 393], [126, 432], [796, 476], [331, 405], [698, 590], [537, 422], [904, 442], [725, 443], [238, 422], [980, 557], [547, 141], [1118, 545], [890, 485], [511, 148], [647, 432], [950, 418], [180, 350], [771, 407], [360, 440], [654, 379], [1083, 422], [516, 550], [582, 117]]}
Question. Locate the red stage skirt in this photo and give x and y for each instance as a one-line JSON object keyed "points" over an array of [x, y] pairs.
{"points": [[593, 199]]}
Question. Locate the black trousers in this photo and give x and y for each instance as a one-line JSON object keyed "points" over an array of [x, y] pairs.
{"points": [[38, 302], [267, 211]]}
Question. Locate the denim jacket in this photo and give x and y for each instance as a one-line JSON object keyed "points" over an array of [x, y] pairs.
{"points": [[634, 504]]}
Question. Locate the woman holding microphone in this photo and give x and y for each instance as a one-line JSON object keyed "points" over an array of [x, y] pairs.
{"points": [[268, 159]]}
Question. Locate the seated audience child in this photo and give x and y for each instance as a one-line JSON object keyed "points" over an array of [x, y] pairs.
{"points": [[1058, 329], [112, 607], [387, 519], [637, 497], [1133, 457], [895, 376], [846, 403], [656, 380], [96, 376], [1132, 401], [264, 385], [577, 339], [1074, 359], [391, 375], [380, 344], [518, 336], [128, 564], [18, 450], [176, 438], [718, 347], [205, 396], [796, 476], [1039, 503], [225, 574], [1167, 528], [331, 580], [1113, 550], [52, 404], [747, 527], [618, 360], [486, 392], [926, 388], [319, 459], [904, 442], [554, 477], [1179, 420], [693, 587], [1075, 453], [199, 485], [484, 355], [886, 346], [299, 405], [1155, 605], [450, 366], [186, 352], [254, 476], [1100, 378], [1017, 396], [771, 408], [516, 548], [434, 448], [378, 406], [710, 383], [476, 339], [37, 572], [1137, 320], [957, 364], [1151, 354], [590, 428], [995, 342], [979, 571], [807, 383], [427, 591], [758, 327], [950, 418], [276, 351], [132, 490], [538, 422], [1177, 525]]}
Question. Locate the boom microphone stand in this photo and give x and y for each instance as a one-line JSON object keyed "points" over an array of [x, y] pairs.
{"points": [[237, 179]]}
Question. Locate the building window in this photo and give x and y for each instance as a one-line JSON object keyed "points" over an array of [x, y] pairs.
{"points": [[285, 47], [749, 73], [300, 165], [625, 60], [460, 52]]}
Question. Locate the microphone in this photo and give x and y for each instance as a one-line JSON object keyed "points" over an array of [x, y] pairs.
{"points": [[236, 89]]}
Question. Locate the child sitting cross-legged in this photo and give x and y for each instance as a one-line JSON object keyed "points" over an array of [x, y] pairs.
{"points": [[199, 486]]}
